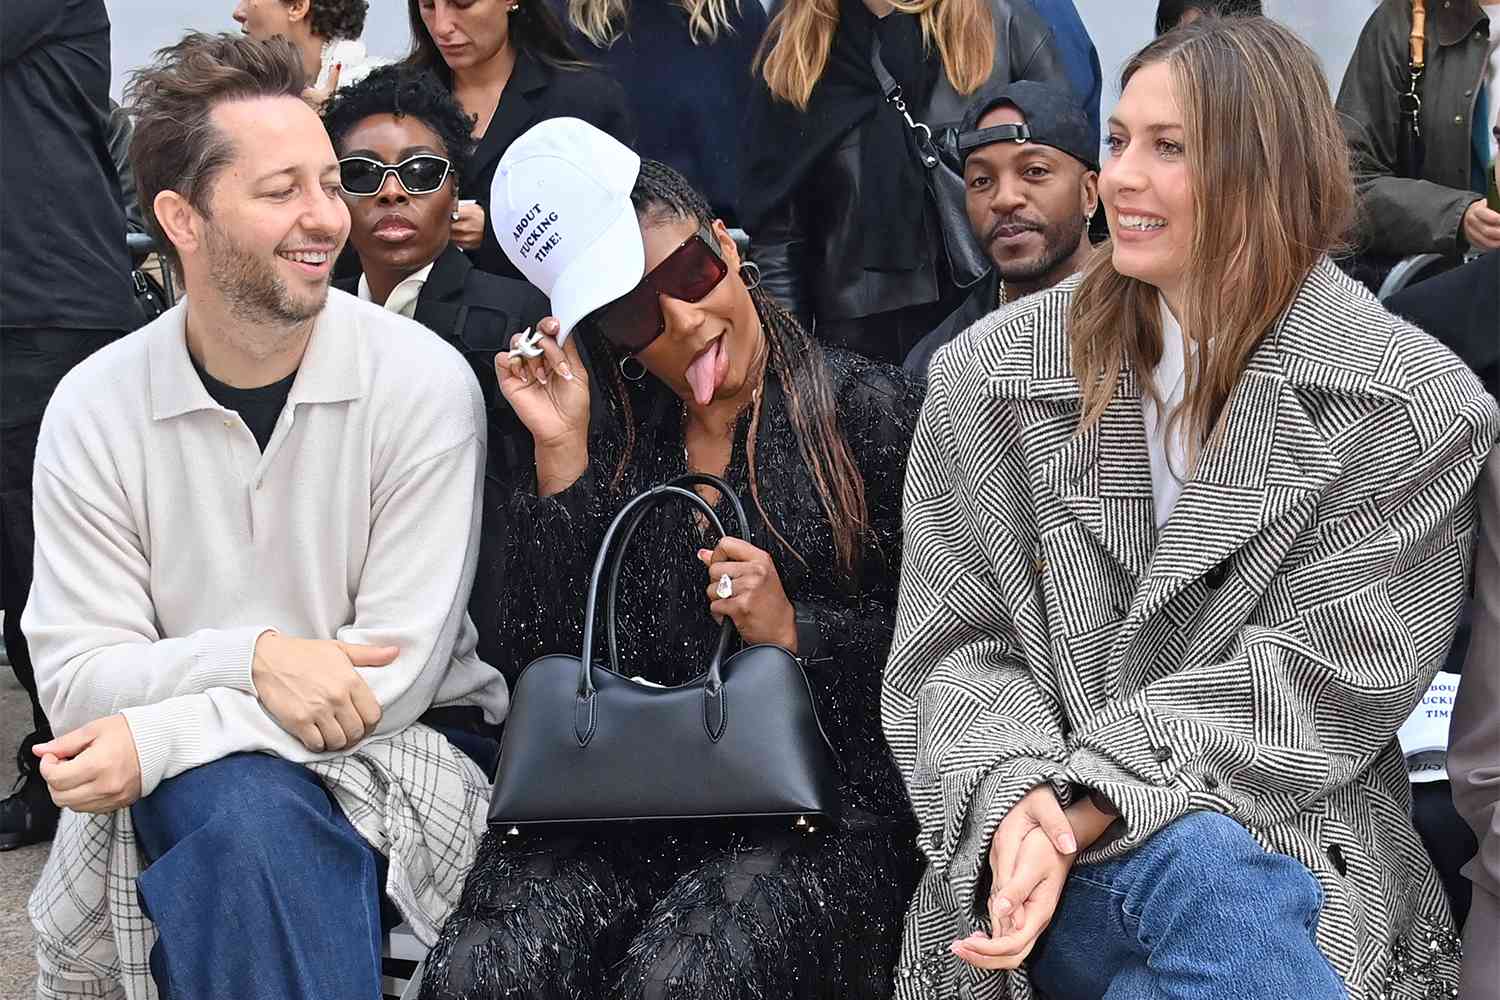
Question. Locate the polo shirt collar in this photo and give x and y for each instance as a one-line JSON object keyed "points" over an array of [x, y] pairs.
{"points": [[330, 372]]}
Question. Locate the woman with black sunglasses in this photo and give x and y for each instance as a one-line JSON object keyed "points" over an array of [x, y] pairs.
{"points": [[509, 64], [402, 143], [702, 371]]}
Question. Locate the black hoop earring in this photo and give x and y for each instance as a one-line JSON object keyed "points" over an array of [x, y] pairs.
{"points": [[632, 374], [750, 274]]}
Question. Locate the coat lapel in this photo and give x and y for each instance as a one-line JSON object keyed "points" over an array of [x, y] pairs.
{"points": [[440, 306], [1271, 461], [513, 115], [1101, 476]]}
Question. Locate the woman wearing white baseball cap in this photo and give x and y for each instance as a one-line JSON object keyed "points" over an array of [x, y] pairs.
{"points": [[699, 371]]}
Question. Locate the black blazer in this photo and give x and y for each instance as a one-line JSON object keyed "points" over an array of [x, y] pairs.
{"points": [[536, 92], [478, 313]]}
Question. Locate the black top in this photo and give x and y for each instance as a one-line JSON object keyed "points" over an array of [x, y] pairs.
{"points": [[980, 302], [666, 633], [259, 408], [696, 130], [536, 92], [63, 262]]}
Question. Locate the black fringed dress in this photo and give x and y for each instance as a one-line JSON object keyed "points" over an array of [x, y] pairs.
{"points": [[701, 912]]}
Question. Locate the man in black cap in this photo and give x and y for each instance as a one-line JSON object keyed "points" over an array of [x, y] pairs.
{"points": [[1031, 169]]}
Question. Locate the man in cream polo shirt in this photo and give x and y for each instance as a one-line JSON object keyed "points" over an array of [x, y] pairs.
{"points": [[256, 533]]}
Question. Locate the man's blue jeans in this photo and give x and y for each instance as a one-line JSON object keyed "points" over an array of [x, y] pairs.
{"points": [[259, 887], [1199, 912]]}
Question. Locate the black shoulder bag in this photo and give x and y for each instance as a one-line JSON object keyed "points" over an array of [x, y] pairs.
{"points": [[585, 743], [938, 155]]}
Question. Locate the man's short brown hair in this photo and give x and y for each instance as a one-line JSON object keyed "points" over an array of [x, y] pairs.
{"points": [[176, 146]]}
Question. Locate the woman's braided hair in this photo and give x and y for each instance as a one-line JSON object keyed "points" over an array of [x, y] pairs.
{"points": [[660, 195]]}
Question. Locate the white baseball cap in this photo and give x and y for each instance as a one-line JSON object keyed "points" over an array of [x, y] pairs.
{"points": [[560, 207]]}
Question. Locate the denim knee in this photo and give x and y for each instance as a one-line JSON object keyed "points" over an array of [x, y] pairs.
{"points": [[1207, 853], [246, 804]]}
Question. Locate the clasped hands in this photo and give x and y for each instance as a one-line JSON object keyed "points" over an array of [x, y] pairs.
{"points": [[1031, 854], [309, 686]]}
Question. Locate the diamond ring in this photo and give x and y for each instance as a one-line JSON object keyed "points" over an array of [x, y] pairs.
{"points": [[726, 587]]}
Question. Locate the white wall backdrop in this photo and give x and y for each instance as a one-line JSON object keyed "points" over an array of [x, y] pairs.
{"points": [[1118, 27]]}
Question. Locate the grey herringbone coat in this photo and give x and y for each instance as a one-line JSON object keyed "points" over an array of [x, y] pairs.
{"points": [[1255, 660]]}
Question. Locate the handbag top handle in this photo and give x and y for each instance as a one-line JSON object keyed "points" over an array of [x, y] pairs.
{"points": [[612, 555], [741, 526]]}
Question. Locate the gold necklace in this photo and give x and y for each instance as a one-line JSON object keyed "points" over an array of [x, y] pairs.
{"points": [[1003, 298]]}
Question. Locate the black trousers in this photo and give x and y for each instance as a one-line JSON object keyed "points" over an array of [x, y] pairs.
{"points": [[32, 362]]}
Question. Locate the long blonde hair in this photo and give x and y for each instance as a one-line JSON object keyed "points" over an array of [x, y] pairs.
{"points": [[1272, 193], [794, 52], [602, 21]]}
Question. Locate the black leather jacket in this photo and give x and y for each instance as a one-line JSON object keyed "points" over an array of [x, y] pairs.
{"points": [[808, 248]]}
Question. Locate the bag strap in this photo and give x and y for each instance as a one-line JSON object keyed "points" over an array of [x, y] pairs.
{"points": [[742, 530], [921, 133], [1410, 102], [1418, 39], [610, 555]]}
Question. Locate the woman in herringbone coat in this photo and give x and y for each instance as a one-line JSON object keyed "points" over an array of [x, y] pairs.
{"points": [[1185, 539]]}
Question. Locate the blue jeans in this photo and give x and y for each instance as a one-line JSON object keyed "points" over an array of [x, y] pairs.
{"points": [[1199, 912], [259, 887]]}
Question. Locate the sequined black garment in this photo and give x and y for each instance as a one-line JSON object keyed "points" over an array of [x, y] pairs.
{"points": [[701, 912]]}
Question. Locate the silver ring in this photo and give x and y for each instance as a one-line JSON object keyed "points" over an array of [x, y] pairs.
{"points": [[454, 216], [726, 588]]}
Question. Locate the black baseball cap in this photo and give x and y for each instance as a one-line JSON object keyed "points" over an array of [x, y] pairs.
{"points": [[1052, 118]]}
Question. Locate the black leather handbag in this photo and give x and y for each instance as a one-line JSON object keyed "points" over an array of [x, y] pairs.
{"points": [[944, 179], [585, 743]]}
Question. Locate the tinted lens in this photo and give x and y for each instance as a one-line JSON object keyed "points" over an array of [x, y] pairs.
{"points": [[632, 321], [423, 174], [360, 176], [691, 272]]}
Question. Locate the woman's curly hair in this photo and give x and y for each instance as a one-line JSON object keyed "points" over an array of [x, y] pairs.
{"points": [[336, 19], [401, 90]]}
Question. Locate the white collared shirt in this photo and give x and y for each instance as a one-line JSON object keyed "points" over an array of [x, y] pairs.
{"points": [[403, 298], [1166, 440]]}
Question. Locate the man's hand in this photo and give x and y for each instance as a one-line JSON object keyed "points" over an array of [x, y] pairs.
{"points": [[1021, 908], [94, 768], [310, 688], [1482, 226]]}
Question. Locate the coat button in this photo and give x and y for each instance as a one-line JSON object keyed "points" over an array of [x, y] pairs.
{"points": [[1210, 782], [1458, 119], [1336, 858], [937, 840], [1161, 754], [1215, 577]]}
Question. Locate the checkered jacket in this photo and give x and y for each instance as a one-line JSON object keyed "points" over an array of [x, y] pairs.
{"points": [[1254, 658], [412, 796]]}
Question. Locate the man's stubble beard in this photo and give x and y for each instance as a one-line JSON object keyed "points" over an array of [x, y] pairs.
{"points": [[1058, 244], [272, 317]]}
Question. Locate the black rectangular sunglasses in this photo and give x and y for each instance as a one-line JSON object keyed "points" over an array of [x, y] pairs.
{"points": [[363, 176], [688, 274]]}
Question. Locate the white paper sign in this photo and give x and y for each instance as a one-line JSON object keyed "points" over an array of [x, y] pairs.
{"points": [[1424, 735]]}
